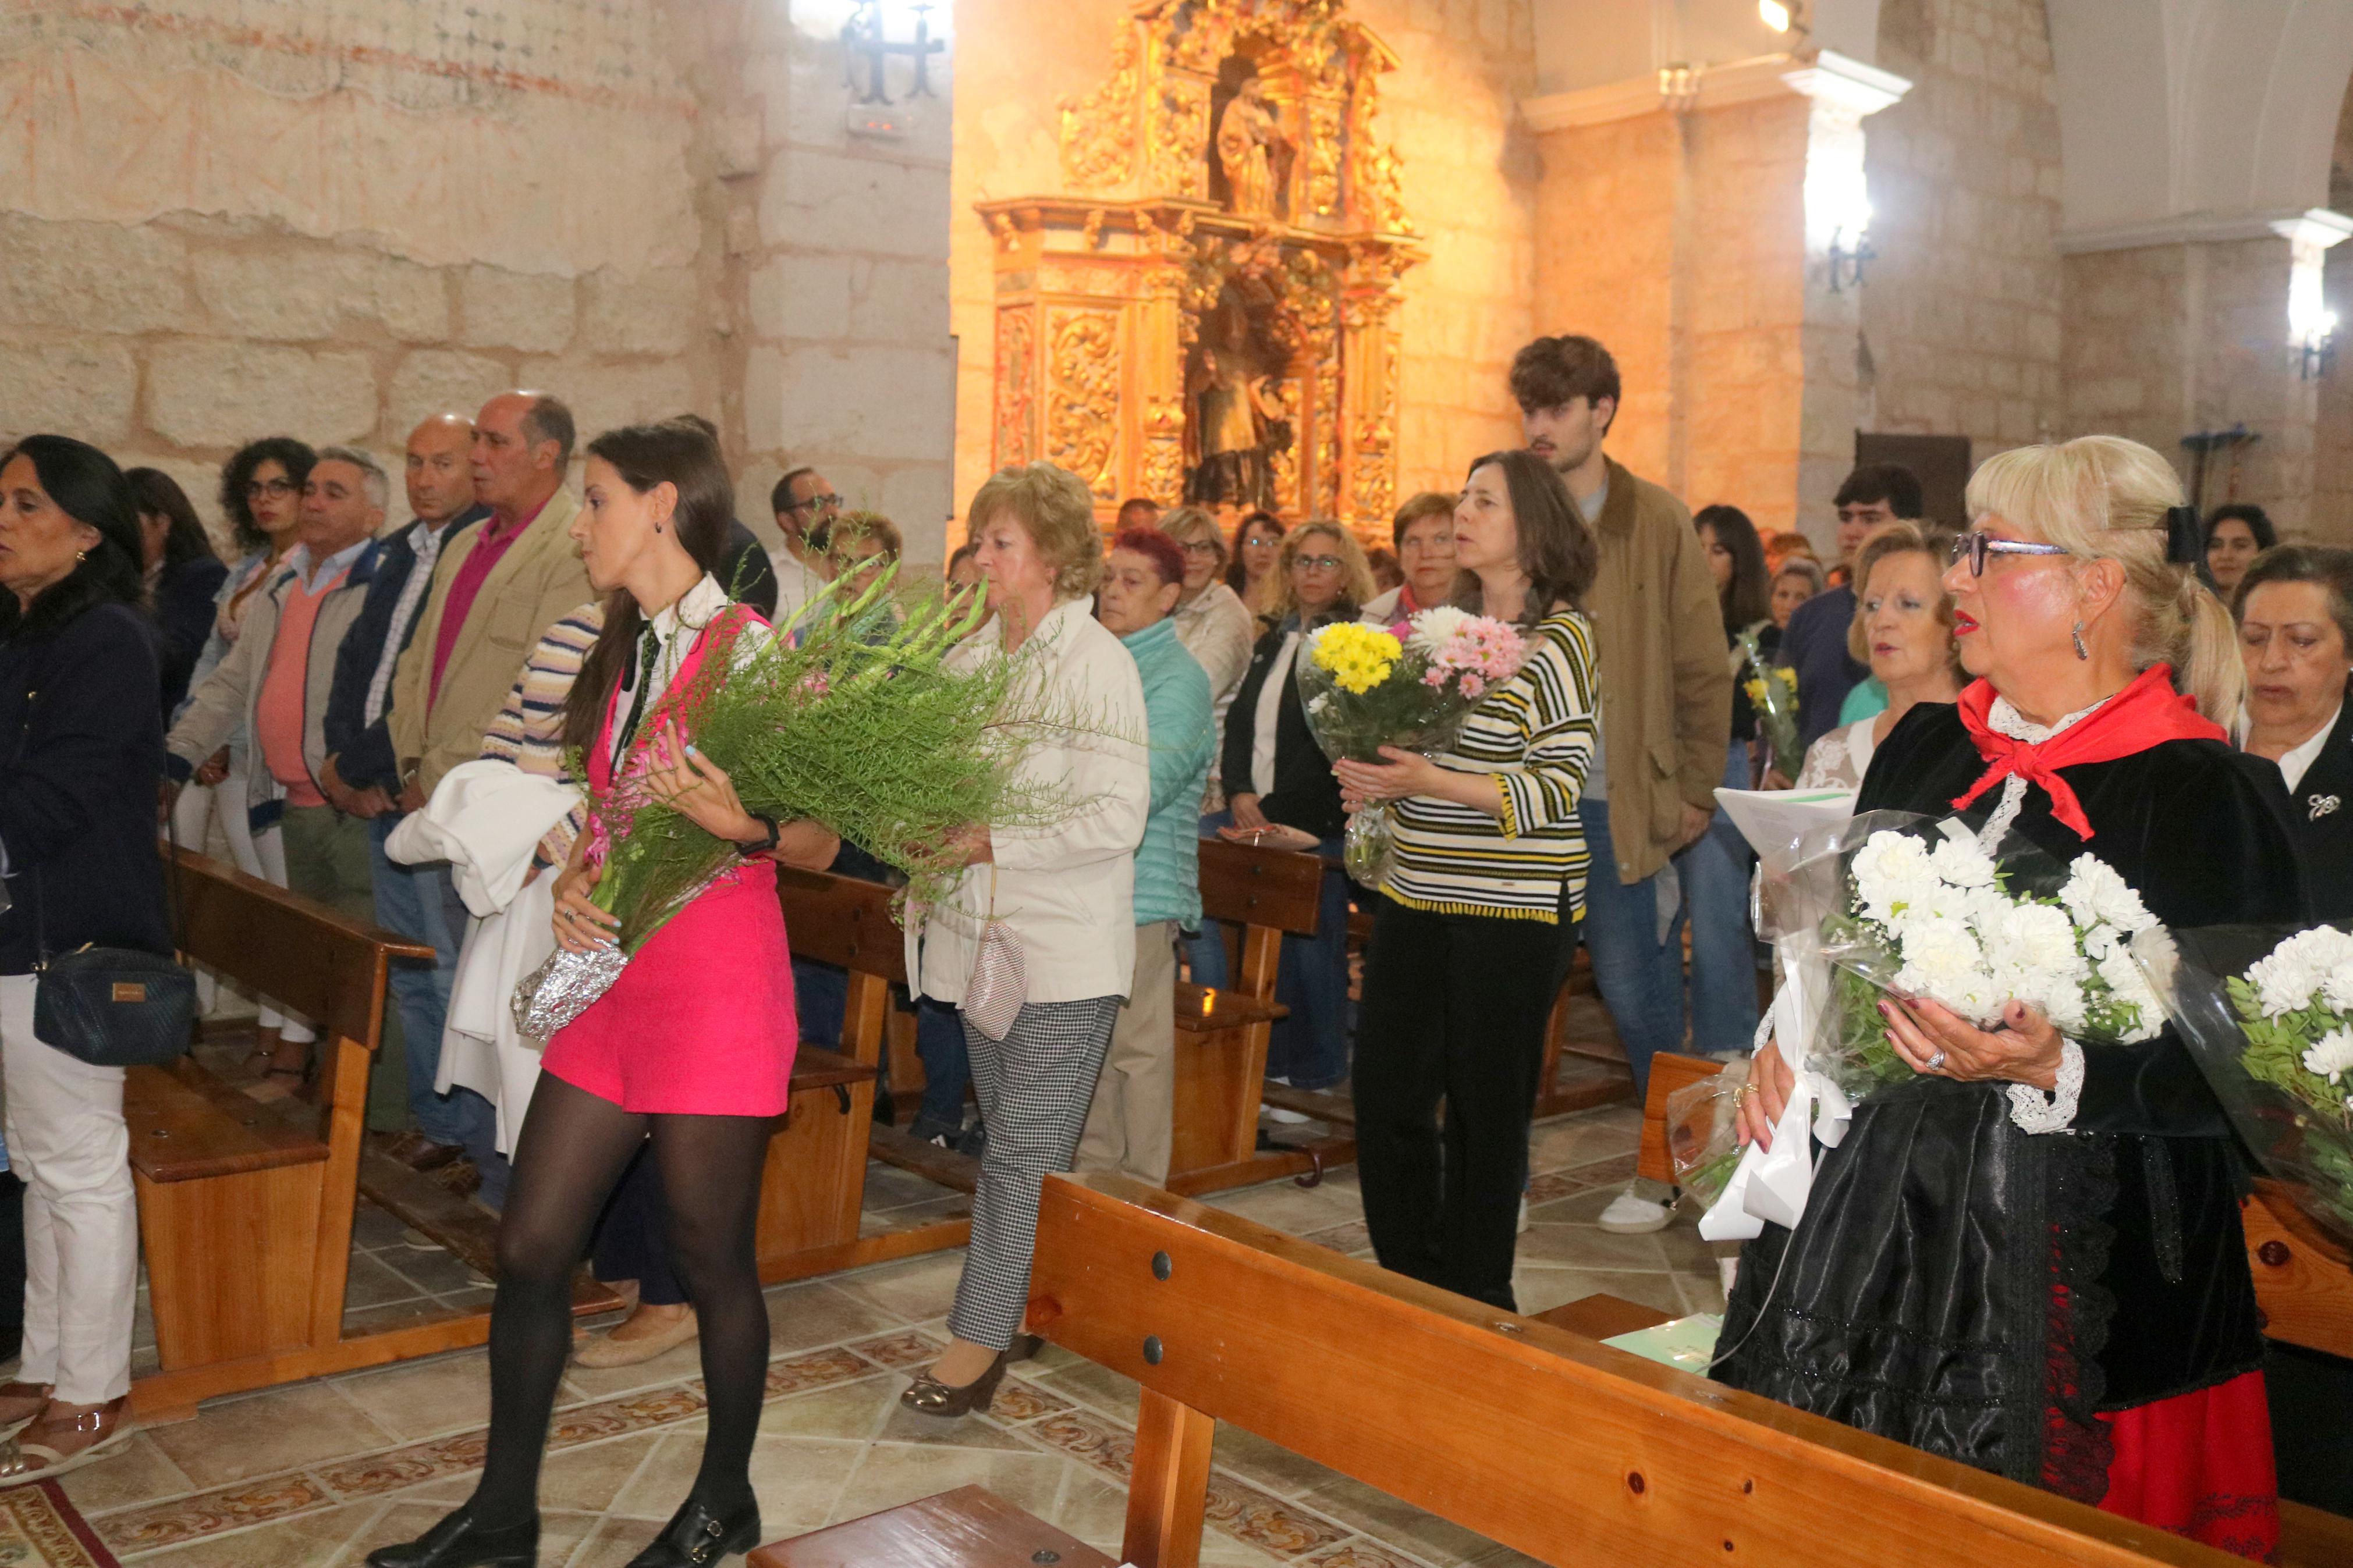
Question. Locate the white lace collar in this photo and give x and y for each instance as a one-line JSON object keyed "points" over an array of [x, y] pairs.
{"points": [[2005, 720]]}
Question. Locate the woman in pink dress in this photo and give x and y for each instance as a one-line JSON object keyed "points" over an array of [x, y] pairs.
{"points": [[692, 1046]]}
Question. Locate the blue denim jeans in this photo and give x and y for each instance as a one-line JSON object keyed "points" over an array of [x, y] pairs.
{"points": [[1724, 949], [421, 903], [1205, 950], [1640, 977]]}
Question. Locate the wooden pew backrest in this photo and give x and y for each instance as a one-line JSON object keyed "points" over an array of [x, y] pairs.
{"points": [[1565, 1449], [1243, 885], [842, 921], [297, 953]]}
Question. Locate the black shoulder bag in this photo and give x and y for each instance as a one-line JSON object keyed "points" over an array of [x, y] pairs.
{"points": [[110, 1006]]}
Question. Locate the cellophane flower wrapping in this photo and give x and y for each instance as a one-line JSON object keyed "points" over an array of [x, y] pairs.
{"points": [[1773, 693], [2267, 1012], [1411, 686], [1913, 907], [1703, 1134]]}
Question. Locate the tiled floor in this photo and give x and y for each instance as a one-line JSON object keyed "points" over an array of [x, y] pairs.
{"points": [[317, 1474]]}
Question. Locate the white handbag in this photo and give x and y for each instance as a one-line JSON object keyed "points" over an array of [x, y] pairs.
{"points": [[992, 995]]}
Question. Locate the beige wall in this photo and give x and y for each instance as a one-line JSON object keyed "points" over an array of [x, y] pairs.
{"points": [[338, 224], [1469, 183], [1961, 310]]}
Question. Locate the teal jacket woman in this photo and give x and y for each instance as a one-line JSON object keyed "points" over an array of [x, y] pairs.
{"points": [[1176, 709]]}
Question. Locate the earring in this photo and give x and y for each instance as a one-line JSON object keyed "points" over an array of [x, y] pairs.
{"points": [[2080, 652], [81, 556]]}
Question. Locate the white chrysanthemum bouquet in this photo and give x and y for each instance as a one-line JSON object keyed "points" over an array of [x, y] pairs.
{"points": [[1931, 914], [2274, 1035]]}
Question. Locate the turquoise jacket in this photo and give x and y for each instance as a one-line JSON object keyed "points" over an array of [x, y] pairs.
{"points": [[1176, 707]]}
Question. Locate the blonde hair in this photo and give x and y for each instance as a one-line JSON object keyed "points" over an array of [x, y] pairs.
{"points": [[1886, 543], [1053, 508], [1356, 572], [852, 526], [1186, 523], [2104, 498]]}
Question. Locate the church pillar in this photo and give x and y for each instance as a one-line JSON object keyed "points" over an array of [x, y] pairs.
{"points": [[1690, 223]]}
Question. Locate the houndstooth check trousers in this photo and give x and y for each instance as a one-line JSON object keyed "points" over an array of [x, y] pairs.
{"points": [[1034, 1087]]}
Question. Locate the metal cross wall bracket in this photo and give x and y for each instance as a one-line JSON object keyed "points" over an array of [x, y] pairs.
{"points": [[863, 41]]}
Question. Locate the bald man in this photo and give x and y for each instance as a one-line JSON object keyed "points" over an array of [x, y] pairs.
{"points": [[362, 777]]}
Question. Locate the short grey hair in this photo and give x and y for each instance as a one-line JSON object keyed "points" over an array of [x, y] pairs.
{"points": [[373, 479]]}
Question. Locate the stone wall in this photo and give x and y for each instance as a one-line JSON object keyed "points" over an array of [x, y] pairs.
{"points": [[371, 221], [1469, 182], [2331, 516], [1960, 312]]}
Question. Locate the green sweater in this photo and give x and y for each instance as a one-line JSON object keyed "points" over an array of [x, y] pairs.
{"points": [[1177, 709]]}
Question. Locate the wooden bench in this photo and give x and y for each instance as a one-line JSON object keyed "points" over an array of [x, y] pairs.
{"points": [[813, 1188], [1261, 895], [245, 1210], [1558, 1446]]}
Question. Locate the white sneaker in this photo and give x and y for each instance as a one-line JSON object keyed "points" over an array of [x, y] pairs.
{"points": [[1630, 1214], [1281, 1117]]}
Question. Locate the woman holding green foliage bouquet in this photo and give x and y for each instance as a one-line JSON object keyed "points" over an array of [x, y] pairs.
{"points": [[1466, 952], [1035, 939], [2025, 1255], [692, 1046]]}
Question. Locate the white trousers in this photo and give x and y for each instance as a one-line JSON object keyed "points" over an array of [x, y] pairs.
{"points": [[261, 854], [68, 1143]]}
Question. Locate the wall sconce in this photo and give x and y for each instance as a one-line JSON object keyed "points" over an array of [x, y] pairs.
{"points": [[2313, 349], [1783, 15], [1846, 261]]}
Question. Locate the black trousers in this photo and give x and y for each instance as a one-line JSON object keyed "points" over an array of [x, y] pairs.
{"points": [[1453, 1010]]}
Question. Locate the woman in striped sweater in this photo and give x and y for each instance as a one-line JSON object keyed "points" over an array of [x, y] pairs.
{"points": [[1466, 949]]}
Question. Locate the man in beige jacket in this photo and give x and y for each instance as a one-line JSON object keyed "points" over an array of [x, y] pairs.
{"points": [[1666, 706], [494, 591]]}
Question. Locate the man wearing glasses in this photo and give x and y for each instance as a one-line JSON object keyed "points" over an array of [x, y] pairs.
{"points": [[806, 507]]}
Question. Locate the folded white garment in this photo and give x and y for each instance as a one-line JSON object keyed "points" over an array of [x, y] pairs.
{"points": [[485, 818], [481, 1047]]}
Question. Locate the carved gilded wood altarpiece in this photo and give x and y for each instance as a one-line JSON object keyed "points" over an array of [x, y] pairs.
{"points": [[1208, 310]]}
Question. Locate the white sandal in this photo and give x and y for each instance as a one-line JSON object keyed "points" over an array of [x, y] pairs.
{"points": [[14, 1469]]}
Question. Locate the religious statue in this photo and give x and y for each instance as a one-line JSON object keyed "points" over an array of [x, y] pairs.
{"points": [[1239, 417], [1248, 141]]}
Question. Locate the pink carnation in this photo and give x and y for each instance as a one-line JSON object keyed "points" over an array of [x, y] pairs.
{"points": [[1402, 630]]}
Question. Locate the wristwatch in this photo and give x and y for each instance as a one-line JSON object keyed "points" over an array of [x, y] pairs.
{"points": [[760, 845]]}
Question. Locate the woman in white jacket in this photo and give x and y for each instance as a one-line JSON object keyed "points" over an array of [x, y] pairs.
{"points": [[1067, 892]]}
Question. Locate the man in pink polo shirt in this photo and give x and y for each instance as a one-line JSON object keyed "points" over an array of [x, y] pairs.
{"points": [[494, 591]]}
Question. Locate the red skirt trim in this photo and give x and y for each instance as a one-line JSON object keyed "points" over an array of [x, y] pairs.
{"points": [[2200, 1464]]}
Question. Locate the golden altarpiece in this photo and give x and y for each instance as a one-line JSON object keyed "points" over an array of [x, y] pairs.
{"points": [[1208, 310]]}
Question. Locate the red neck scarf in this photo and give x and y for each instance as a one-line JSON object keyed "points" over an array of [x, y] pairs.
{"points": [[2144, 715]]}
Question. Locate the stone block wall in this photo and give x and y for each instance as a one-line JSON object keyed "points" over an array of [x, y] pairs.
{"points": [[1960, 312]]}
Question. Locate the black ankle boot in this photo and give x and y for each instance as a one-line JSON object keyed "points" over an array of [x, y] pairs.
{"points": [[459, 1542], [696, 1536]]}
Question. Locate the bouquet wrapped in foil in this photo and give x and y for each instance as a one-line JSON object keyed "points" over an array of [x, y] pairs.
{"points": [[1410, 686], [840, 718], [2268, 1011]]}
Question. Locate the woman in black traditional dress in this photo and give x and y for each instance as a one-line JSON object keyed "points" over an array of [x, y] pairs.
{"points": [[2029, 1256], [2295, 632]]}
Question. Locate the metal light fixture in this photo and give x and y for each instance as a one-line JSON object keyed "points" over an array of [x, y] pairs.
{"points": [[1846, 261], [1783, 15]]}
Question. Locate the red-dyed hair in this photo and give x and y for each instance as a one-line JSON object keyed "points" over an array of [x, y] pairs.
{"points": [[1156, 547]]}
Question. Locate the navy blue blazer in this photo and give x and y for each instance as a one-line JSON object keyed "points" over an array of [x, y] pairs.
{"points": [[363, 752]]}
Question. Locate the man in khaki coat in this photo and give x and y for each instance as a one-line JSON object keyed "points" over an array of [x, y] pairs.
{"points": [[1666, 706], [494, 591]]}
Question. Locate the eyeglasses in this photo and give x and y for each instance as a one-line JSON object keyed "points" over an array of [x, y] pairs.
{"points": [[1318, 564], [1975, 547], [808, 502], [260, 487], [1208, 547]]}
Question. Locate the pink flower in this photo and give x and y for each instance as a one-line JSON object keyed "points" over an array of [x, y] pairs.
{"points": [[1473, 687], [1402, 630], [815, 685], [1434, 678]]}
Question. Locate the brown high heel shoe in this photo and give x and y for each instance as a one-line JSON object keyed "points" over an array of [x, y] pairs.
{"points": [[931, 1397]]}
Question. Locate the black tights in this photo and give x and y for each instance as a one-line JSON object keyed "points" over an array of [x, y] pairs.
{"points": [[573, 1150]]}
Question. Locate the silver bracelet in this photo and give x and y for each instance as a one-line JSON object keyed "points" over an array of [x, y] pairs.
{"points": [[2032, 1114]]}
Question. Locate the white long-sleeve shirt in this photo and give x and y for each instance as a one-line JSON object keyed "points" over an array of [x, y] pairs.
{"points": [[1068, 890]]}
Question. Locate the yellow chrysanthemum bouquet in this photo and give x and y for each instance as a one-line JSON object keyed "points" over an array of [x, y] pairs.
{"points": [[1411, 684], [1773, 691]]}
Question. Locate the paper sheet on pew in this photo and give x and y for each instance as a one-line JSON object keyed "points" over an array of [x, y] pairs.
{"points": [[1772, 1185]]}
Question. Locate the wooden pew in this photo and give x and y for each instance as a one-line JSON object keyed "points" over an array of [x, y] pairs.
{"points": [[814, 1185], [1221, 1035], [2303, 1277], [245, 1210], [1560, 1447]]}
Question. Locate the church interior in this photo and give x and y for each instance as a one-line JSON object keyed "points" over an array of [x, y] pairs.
{"points": [[1248, 255]]}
